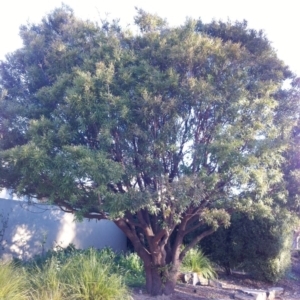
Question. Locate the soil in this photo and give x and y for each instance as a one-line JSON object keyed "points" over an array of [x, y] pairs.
{"points": [[230, 286]]}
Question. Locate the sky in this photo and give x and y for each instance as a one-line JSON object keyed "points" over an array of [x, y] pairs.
{"points": [[279, 19]]}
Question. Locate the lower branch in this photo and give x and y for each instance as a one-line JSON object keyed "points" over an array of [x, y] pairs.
{"points": [[195, 241]]}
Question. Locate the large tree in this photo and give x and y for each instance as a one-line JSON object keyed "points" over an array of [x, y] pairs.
{"points": [[161, 131]]}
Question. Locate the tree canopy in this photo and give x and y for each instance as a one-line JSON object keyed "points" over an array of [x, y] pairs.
{"points": [[162, 131]]}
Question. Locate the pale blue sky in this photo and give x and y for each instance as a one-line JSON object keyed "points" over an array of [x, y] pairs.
{"points": [[280, 19]]}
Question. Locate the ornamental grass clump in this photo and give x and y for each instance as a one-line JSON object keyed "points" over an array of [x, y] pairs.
{"points": [[13, 285], [48, 282], [195, 261], [89, 278]]}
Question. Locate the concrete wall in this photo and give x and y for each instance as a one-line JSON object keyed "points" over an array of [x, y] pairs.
{"points": [[35, 228]]}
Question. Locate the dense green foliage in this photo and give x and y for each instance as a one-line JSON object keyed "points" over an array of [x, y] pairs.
{"points": [[259, 245], [291, 169], [72, 274], [129, 266], [161, 131]]}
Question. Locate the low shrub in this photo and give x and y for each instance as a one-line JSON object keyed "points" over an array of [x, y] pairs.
{"points": [[259, 245], [132, 268]]}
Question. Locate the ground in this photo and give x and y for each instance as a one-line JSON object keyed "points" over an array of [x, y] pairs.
{"points": [[231, 284]]}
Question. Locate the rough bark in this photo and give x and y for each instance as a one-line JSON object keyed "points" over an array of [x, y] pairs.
{"points": [[160, 280], [161, 260]]}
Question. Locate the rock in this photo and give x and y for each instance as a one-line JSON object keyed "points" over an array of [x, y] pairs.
{"points": [[196, 279], [274, 292], [255, 294], [202, 280], [188, 277]]}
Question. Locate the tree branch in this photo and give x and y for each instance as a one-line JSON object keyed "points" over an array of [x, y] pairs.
{"points": [[159, 235], [195, 241]]}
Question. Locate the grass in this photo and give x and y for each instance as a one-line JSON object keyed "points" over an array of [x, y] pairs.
{"points": [[12, 282], [92, 277], [47, 282], [196, 261], [83, 275], [72, 274]]}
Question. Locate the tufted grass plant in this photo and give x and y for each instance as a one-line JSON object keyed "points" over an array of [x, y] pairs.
{"points": [[72, 274], [91, 276], [13, 283], [196, 261], [48, 282]]}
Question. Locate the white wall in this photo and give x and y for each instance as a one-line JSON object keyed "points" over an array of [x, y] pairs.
{"points": [[6, 194], [32, 228]]}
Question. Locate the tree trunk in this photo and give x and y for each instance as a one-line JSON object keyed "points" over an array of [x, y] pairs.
{"points": [[161, 274], [160, 280]]}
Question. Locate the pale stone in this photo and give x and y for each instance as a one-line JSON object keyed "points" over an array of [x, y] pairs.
{"points": [[256, 294], [196, 279], [202, 280], [187, 278], [274, 292]]}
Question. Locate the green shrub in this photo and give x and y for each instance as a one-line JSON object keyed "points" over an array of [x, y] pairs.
{"points": [[60, 253], [13, 285], [132, 268], [68, 273], [257, 245], [196, 261]]}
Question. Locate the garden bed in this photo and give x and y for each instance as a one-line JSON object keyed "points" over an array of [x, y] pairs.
{"points": [[231, 285]]}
